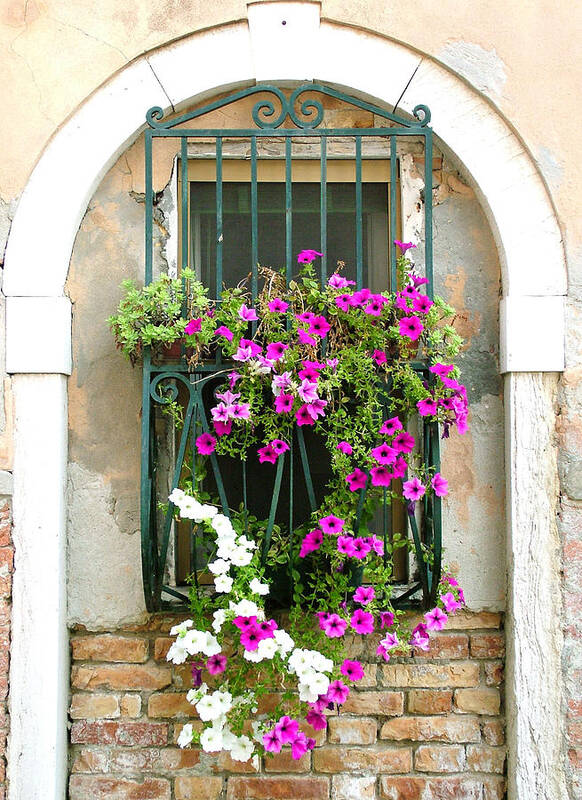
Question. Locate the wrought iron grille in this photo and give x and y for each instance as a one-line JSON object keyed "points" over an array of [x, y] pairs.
{"points": [[305, 113]]}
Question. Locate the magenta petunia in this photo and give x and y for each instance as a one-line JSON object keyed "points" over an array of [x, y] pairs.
{"points": [[390, 641], [193, 326], [242, 623], [362, 621], [391, 426], [403, 442], [361, 547], [222, 428], [287, 729], [404, 246], [224, 331], [278, 306], [299, 746], [364, 595], [319, 326], [307, 256], [338, 692], [279, 446], [305, 338], [253, 346], [247, 314], [386, 619], [413, 489], [303, 416], [311, 542], [356, 480], [450, 603], [422, 304], [316, 719], [377, 545], [410, 292], [250, 638], [233, 378], [332, 524], [344, 301], [308, 374], [307, 391], [275, 350], [427, 407], [345, 545], [345, 448], [384, 454], [420, 638], [240, 411], [360, 297], [205, 444], [440, 485], [243, 354], [339, 282], [272, 741], [374, 307], [379, 357], [284, 403], [435, 619], [411, 327], [442, 370], [381, 476], [267, 454], [216, 664], [352, 670], [334, 626]]}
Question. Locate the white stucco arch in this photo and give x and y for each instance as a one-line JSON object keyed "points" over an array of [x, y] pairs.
{"points": [[36, 265]]}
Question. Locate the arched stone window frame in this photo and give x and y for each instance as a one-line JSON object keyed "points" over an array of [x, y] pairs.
{"points": [[38, 331]]}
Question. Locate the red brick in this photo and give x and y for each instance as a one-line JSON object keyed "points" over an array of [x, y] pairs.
{"points": [[384, 703], [102, 787], [351, 730], [467, 620], [194, 788], [110, 648], [494, 788], [575, 758], [131, 705], [161, 647], [487, 645], [121, 676], [319, 736], [493, 731], [224, 762], [439, 758], [296, 788], [348, 787], [478, 701], [431, 676], [284, 762], [449, 788], [430, 701], [170, 704], [450, 645], [123, 733], [443, 729], [366, 759], [120, 760], [482, 758], [94, 706], [494, 673], [575, 733], [6, 559]]}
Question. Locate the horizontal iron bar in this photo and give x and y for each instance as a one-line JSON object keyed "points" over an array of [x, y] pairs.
{"points": [[282, 133]]}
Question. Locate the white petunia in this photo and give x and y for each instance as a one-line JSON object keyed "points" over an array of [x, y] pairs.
{"points": [[219, 618], [225, 549], [228, 738], [194, 641], [307, 694], [259, 588], [267, 648], [178, 653], [253, 656], [181, 628], [205, 512], [211, 740], [223, 583], [189, 507], [222, 525], [209, 708], [300, 661], [211, 646], [316, 683], [245, 608], [246, 543], [195, 695], [243, 749], [177, 496], [241, 557], [185, 737], [219, 566], [285, 642], [320, 662]]}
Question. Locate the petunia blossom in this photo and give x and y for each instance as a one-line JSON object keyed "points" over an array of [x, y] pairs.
{"points": [[379, 357], [344, 301], [386, 619], [413, 489], [319, 326], [391, 426], [275, 350], [381, 476], [332, 524], [345, 545], [422, 304], [384, 454], [279, 446], [224, 331], [403, 442], [352, 670], [299, 746], [216, 664], [334, 626], [338, 692], [278, 306], [440, 485], [205, 444], [304, 416], [450, 603], [364, 595], [362, 621], [267, 454], [427, 407], [337, 281], [411, 327], [272, 741], [316, 719], [222, 428], [311, 542], [435, 619], [344, 447], [284, 403], [247, 314], [307, 391], [404, 246], [356, 480], [305, 338], [193, 326], [308, 256]]}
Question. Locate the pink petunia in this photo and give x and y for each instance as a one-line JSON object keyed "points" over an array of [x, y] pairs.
{"points": [[440, 485], [379, 357], [222, 428], [267, 454], [287, 729], [427, 407], [381, 476], [247, 314], [420, 638], [319, 326], [435, 619], [390, 641], [250, 638], [345, 448], [284, 403], [224, 331], [384, 454], [413, 489], [361, 547], [305, 338], [344, 301], [233, 378], [242, 623], [381, 651], [216, 664], [364, 595], [356, 480], [307, 391], [442, 370], [316, 719], [377, 545], [339, 282], [422, 304], [362, 621], [345, 545], [278, 306], [410, 292], [352, 670], [390, 427], [450, 603], [338, 692], [279, 446], [272, 741], [404, 246], [308, 374], [334, 626], [332, 524], [254, 347], [308, 256], [411, 327], [403, 442], [240, 411], [205, 444], [374, 307], [243, 354], [299, 746], [304, 416], [399, 468], [311, 542], [386, 619], [193, 326]]}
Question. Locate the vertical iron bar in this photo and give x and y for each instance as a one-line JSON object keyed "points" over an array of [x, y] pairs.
{"points": [[359, 232], [254, 219], [288, 212], [323, 210], [244, 483], [428, 211], [149, 209], [185, 220], [385, 527], [392, 226], [146, 486], [219, 234]]}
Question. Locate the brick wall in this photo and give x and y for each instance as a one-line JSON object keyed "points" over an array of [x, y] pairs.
{"points": [[6, 567], [427, 728]]}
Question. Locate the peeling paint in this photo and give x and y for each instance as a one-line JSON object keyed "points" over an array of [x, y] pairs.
{"points": [[484, 69]]}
